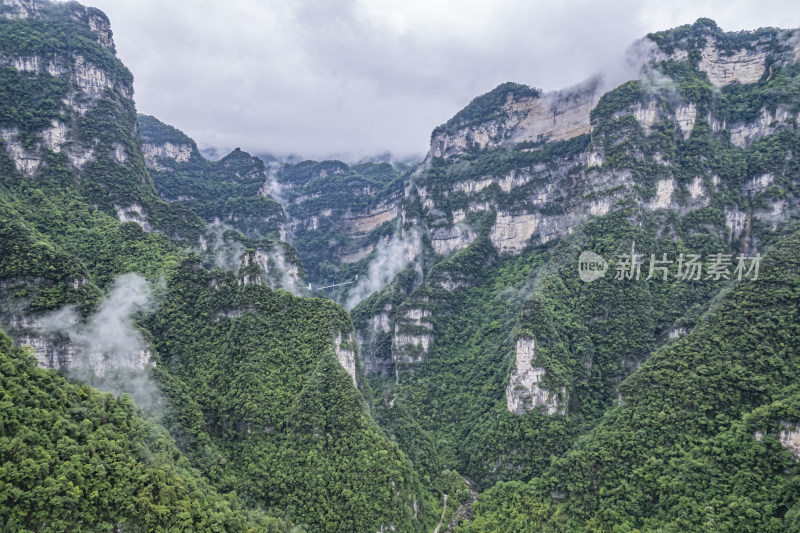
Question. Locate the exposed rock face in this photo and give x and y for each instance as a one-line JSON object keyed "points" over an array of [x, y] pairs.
{"points": [[551, 117], [102, 364], [743, 135], [696, 189], [259, 267], [20, 9], [55, 136], [735, 221], [413, 334], [664, 191], [402, 340], [511, 233], [446, 240], [26, 163], [346, 356], [357, 254], [179, 153], [135, 214], [57, 352], [361, 225], [99, 24], [744, 66], [523, 392], [676, 333], [790, 438], [758, 184], [686, 116], [647, 115], [374, 344], [94, 81]]}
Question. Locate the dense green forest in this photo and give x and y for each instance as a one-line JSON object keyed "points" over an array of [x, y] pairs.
{"points": [[695, 444], [132, 264], [77, 459]]}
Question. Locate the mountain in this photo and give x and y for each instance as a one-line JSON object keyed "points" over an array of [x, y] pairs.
{"points": [[255, 415], [516, 339], [96, 462], [227, 191], [705, 436]]}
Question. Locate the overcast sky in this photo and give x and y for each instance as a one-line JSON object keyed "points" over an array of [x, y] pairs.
{"points": [[354, 78]]}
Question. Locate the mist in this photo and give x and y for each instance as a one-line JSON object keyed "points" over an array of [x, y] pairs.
{"points": [[111, 353], [221, 250], [390, 258]]}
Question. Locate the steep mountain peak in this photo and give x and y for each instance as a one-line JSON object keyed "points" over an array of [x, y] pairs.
{"points": [[514, 113], [727, 57], [96, 20]]}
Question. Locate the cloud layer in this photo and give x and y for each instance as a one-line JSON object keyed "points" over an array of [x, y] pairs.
{"points": [[357, 77]]}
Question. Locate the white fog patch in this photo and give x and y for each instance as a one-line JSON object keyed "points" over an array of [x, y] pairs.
{"points": [[221, 250], [390, 258], [112, 354], [272, 186]]}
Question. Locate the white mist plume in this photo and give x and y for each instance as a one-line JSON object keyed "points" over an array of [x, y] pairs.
{"points": [[111, 353], [286, 279], [272, 187], [390, 258], [225, 253]]}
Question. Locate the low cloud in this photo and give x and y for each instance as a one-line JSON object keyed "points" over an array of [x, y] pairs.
{"points": [[357, 78], [390, 258], [111, 353]]}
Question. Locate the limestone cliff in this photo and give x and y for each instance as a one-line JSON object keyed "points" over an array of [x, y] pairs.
{"points": [[523, 170]]}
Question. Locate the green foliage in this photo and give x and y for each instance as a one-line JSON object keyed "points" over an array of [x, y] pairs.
{"points": [[153, 131], [325, 198], [255, 371], [487, 107], [228, 190], [73, 458], [695, 443]]}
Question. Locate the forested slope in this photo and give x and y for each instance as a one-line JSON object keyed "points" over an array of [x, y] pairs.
{"points": [[705, 437]]}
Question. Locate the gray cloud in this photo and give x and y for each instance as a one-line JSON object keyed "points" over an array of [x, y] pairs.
{"points": [[359, 77]]}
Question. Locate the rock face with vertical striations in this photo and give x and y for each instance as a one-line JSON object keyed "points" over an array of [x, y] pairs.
{"points": [[523, 392]]}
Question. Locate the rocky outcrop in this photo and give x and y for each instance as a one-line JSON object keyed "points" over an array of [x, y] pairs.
{"points": [[551, 117], [789, 437], [664, 190], [448, 239], [154, 154], [767, 123], [685, 116], [403, 340], [374, 344], [743, 66], [56, 351], [270, 268], [94, 81], [735, 221], [413, 334], [26, 162], [133, 213], [346, 355], [523, 392], [101, 26], [362, 225], [512, 232]]}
